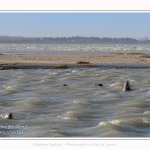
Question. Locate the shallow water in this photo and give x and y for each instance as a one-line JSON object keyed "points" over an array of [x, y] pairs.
{"points": [[73, 48], [42, 107]]}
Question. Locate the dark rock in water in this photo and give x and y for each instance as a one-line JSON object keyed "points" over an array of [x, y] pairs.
{"points": [[61, 67], [83, 62], [4, 67], [126, 86], [8, 116], [99, 84], [65, 85]]}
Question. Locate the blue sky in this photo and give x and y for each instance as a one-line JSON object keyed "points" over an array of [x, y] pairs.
{"points": [[60, 24]]}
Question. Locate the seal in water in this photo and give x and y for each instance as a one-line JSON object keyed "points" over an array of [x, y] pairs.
{"points": [[65, 85], [8, 116], [99, 84], [126, 86]]}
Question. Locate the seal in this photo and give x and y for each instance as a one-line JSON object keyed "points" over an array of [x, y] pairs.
{"points": [[8, 116], [65, 85], [99, 84], [126, 86]]}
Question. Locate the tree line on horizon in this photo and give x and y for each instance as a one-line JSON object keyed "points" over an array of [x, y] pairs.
{"points": [[72, 40]]}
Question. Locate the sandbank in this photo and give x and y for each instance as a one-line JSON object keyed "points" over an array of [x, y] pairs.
{"points": [[50, 61]]}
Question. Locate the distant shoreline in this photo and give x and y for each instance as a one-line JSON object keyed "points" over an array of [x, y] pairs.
{"points": [[71, 40], [43, 61]]}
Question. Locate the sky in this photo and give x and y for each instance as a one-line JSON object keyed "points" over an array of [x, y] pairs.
{"points": [[68, 24]]}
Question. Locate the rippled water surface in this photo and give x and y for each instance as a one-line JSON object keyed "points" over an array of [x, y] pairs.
{"points": [[73, 48], [42, 107]]}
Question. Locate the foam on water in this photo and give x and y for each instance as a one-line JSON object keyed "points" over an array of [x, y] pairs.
{"points": [[146, 113]]}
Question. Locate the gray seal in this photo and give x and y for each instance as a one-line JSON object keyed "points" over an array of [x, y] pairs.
{"points": [[126, 86], [99, 84], [8, 116]]}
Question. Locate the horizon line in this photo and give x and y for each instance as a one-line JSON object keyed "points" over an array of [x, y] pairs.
{"points": [[69, 36]]}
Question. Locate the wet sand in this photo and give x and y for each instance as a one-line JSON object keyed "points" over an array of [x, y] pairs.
{"points": [[31, 61]]}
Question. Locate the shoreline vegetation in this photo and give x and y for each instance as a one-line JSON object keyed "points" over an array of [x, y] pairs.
{"points": [[72, 40], [43, 61]]}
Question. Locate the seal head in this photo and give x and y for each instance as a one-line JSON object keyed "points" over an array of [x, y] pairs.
{"points": [[65, 85], [8, 116], [126, 86], [99, 84]]}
